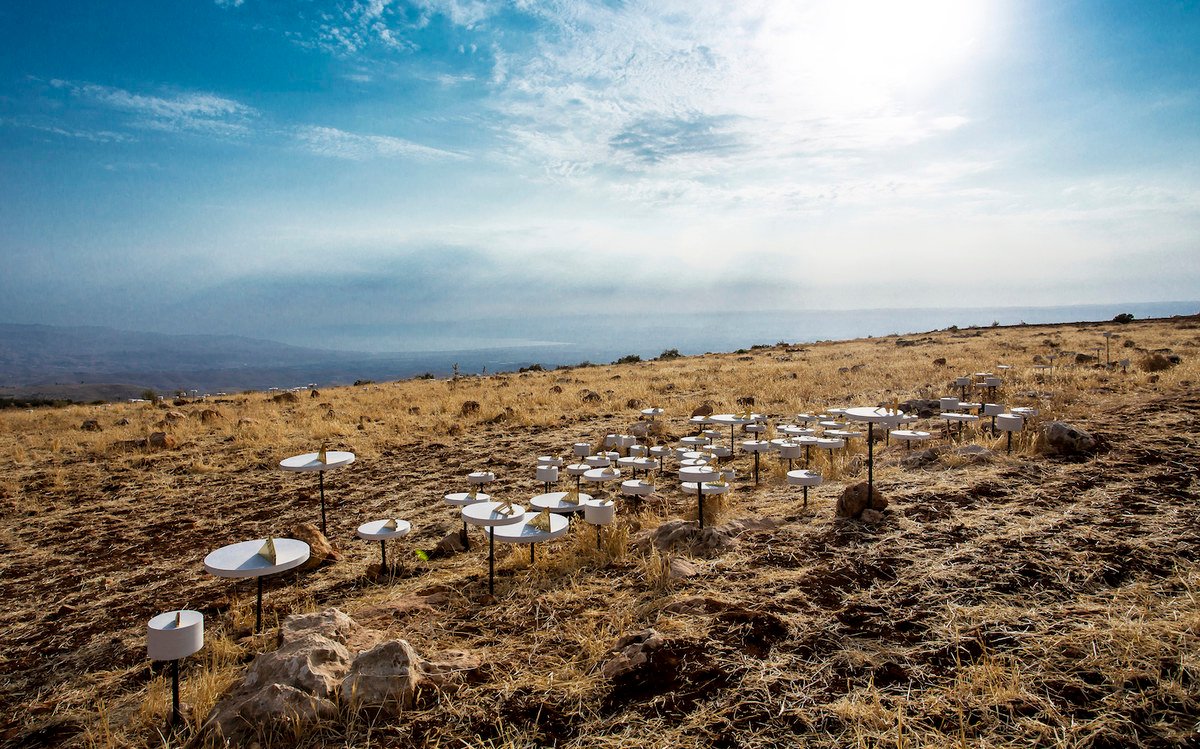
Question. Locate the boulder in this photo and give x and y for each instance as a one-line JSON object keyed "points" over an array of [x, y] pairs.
{"points": [[90, 425], [277, 707], [307, 661], [332, 623], [590, 396], [633, 403], [386, 677], [1060, 438], [314, 393], [1157, 362], [288, 397], [939, 362], [854, 500], [173, 416], [160, 441], [210, 416], [704, 409], [468, 408], [320, 550]]}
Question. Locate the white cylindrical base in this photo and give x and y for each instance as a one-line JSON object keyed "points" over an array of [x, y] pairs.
{"points": [[175, 635], [1009, 423], [597, 513]]}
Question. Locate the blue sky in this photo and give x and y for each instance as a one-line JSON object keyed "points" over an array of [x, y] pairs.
{"points": [[303, 170]]}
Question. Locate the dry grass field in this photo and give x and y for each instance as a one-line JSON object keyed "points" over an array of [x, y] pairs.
{"points": [[1024, 600]]}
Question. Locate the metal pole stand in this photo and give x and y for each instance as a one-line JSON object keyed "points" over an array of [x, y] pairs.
{"points": [[382, 557], [175, 715], [321, 484], [258, 608], [491, 561], [870, 461], [700, 500]]}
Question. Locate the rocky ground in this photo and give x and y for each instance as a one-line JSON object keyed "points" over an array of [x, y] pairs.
{"points": [[1036, 598]]}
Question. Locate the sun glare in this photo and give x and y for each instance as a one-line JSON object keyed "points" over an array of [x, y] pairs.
{"points": [[861, 54]]}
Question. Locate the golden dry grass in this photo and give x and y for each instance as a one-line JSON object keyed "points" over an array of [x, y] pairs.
{"points": [[1025, 601]]}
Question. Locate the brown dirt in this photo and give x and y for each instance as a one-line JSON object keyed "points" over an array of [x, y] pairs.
{"points": [[1029, 600]]}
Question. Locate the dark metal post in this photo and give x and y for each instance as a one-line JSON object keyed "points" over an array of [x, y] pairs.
{"points": [[174, 694], [597, 538], [321, 483], [382, 556], [870, 460], [805, 487], [700, 500], [258, 608], [1010, 442], [756, 467], [531, 552], [491, 560], [466, 538]]}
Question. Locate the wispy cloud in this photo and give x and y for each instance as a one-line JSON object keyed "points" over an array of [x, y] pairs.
{"points": [[340, 144], [197, 112], [93, 136]]}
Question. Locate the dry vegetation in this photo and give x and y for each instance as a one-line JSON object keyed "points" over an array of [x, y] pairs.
{"points": [[1025, 601]]}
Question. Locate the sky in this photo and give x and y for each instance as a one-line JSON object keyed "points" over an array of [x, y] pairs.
{"points": [[318, 171]]}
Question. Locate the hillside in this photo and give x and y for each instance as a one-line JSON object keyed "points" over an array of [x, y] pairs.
{"points": [[1002, 600]]}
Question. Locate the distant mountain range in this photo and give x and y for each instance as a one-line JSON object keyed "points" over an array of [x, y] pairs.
{"points": [[76, 362], [96, 363]]}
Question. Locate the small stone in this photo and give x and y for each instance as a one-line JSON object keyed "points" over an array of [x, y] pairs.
{"points": [[704, 409], [1061, 438], [630, 652], [319, 548], [90, 425], [160, 441], [855, 499], [871, 517], [681, 569]]}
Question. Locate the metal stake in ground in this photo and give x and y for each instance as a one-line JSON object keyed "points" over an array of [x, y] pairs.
{"points": [[321, 484]]}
